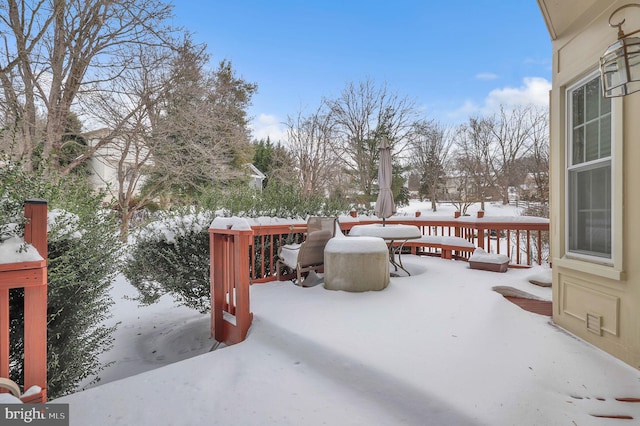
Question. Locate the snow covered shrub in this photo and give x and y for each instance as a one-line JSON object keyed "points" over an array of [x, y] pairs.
{"points": [[84, 256], [171, 255], [84, 251]]}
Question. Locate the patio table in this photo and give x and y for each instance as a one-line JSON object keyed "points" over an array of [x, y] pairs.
{"points": [[391, 234]]}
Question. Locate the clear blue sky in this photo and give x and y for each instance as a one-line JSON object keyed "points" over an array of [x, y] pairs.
{"points": [[454, 58]]}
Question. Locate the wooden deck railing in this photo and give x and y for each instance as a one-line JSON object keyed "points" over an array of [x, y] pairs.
{"points": [[524, 239], [32, 277], [242, 257]]}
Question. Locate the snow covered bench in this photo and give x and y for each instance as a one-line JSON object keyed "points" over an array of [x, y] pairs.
{"points": [[480, 259], [446, 244]]}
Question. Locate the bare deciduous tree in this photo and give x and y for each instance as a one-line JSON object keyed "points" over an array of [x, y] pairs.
{"points": [[362, 115], [309, 143], [430, 150], [125, 110], [499, 151], [512, 132], [55, 51], [474, 155], [540, 154]]}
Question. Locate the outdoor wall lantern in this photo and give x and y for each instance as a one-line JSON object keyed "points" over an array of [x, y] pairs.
{"points": [[620, 64]]}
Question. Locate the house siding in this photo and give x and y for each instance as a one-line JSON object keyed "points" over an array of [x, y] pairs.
{"points": [[599, 303]]}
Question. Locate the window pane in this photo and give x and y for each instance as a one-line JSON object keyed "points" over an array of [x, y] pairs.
{"points": [[583, 190], [578, 145], [605, 136], [591, 145], [600, 229], [590, 204], [592, 95], [600, 188], [605, 105], [589, 187], [583, 237], [578, 107]]}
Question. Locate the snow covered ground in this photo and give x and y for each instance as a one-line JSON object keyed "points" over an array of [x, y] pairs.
{"points": [[440, 347]]}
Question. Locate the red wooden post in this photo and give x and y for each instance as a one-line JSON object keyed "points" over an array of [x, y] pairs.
{"points": [[480, 230], [35, 332], [217, 245], [241, 285], [32, 276], [230, 281], [4, 332], [540, 248], [35, 301], [35, 231]]}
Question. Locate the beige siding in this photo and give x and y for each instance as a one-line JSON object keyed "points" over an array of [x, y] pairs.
{"points": [[599, 303]]}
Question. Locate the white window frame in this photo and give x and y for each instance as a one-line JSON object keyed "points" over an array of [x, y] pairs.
{"points": [[614, 259]]}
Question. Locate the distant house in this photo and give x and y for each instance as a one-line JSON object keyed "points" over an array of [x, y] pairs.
{"points": [[105, 162], [594, 144], [257, 177], [529, 188], [457, 186]]}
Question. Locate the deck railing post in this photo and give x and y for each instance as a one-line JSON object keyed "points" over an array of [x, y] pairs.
{"points": [[32, 277], [230, 281], [35, 231], [481, 231], [242, 283], [218, 261], [35, 300], [4, 332]]}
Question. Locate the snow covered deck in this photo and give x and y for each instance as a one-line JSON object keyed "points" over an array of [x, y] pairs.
{"points": [[415, 353]]}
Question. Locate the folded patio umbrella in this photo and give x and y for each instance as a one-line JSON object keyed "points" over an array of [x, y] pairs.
{"points": [[385, 206]]}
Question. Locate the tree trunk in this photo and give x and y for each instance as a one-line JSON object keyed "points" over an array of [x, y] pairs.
{"points": [[434, 198]]}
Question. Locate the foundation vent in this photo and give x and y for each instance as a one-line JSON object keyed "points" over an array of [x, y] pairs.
{"points": [[594, 323]]}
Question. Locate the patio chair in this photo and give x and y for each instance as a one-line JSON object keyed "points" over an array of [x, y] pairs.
{"points": [[11, 386], [309, 255], [10, 393]]}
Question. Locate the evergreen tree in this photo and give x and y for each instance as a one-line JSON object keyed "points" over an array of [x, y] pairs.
{"points": [[274, 161], [73, 145], [201, 133], [263, 155]]}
